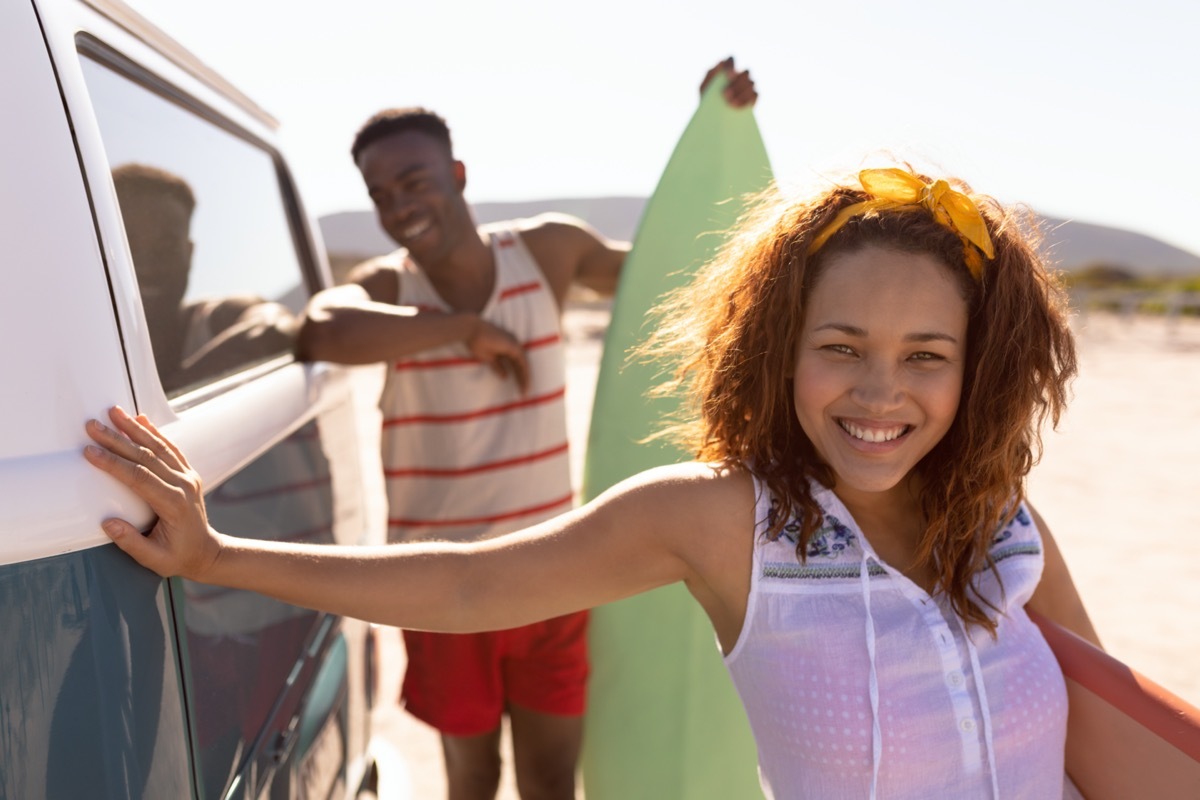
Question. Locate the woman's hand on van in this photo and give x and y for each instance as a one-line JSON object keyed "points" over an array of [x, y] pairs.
{"points": [[137, 455]]}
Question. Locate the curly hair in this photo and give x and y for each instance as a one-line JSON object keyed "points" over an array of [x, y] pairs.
{"points": [[733, 334]]}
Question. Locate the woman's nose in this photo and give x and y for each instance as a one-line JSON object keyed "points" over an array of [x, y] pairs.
{"points": [[878, 389]]}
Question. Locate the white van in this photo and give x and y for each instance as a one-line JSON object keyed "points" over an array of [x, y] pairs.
{"points": [[156, 255]]}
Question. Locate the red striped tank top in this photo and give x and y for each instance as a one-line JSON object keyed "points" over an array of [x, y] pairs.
{"points": [[465, 454]]}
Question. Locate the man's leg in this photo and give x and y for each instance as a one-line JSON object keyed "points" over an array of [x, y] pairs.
{"points": [[545, 753], [453, 684], [545, 679], [472, 766]]}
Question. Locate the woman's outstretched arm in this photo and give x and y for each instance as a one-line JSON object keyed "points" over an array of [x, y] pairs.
{"points": [[629, 540]]}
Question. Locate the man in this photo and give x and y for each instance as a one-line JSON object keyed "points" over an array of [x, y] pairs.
{"points": [[475, 441]]}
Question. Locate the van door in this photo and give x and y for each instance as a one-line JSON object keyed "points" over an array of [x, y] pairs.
{"points": [[90, 701], [223, 264]]}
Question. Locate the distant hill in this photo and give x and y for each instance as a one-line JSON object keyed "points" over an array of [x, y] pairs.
{"points": [[351, 236], [357, 234]]}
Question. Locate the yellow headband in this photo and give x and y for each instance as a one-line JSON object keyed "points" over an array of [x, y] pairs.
{"points": [[892, 189]]}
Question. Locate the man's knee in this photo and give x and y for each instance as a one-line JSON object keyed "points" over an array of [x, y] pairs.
{"points": [[546, 753], [472, 767], [546, 777]]}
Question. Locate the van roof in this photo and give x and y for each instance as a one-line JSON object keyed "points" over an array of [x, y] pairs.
{"points": [[146, 31]]}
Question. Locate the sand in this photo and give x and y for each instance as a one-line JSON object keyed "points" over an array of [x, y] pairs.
{"points": [[1118, 486]]}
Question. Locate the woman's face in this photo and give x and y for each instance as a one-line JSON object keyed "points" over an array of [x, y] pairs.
{"points": [[879, 365]]}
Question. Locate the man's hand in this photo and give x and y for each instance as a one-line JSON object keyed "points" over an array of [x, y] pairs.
{"points": [[500, 350], [740, 93]]}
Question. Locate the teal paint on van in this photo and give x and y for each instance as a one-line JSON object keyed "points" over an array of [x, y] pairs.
{"points": [[91, 704], [326, 693]]}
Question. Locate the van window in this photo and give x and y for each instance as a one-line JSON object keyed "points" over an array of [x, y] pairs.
{"points": [[207, 224]]}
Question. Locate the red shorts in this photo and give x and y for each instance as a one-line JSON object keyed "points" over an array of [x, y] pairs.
{"points": [[460, 683]]}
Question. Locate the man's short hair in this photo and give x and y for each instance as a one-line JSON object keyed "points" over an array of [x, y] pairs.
{"points": [[133, 181], [391, 121]]}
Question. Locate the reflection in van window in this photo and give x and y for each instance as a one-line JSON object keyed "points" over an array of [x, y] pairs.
{"points": [[220, 279], [203, 338]]}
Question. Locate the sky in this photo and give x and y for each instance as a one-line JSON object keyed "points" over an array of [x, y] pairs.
{"points": [[1081, 110]]}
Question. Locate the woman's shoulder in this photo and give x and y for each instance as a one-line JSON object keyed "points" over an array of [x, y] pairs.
{"points": [[691, 497], [703, 482]]}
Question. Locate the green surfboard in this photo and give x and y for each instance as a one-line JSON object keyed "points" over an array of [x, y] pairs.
{"points": [[663, 719]]}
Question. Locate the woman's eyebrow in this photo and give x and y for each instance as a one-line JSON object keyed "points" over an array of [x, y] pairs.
{"points": [[931, 336], [918, 336], [849, 330]]}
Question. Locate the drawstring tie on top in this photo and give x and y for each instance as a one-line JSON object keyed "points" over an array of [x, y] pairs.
{"points": [[873, 680], [873, 686]]}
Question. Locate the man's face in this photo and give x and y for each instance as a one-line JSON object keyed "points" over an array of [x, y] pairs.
{"points": [[417, 189], [157, 231]]}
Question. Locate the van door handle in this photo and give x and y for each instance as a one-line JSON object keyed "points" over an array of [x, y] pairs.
{"points": [[285, 741]]}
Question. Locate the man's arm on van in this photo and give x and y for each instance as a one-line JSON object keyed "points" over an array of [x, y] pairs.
{"points": [[355, 324], [640, 535]]}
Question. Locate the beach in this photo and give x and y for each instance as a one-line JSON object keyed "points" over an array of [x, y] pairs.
{"points": [[1117, 486]]}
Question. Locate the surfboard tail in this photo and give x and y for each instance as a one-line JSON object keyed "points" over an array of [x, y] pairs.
{"points": [[1126, 735]]}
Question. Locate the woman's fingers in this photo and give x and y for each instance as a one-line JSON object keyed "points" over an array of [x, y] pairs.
{"points": [[142, 432], [149, 426], [141, 549], [145, 484], [139, 456], [138, 442], [124, 461]]}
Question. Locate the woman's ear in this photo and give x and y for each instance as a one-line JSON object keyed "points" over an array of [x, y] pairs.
{"points": [[460, 175]]}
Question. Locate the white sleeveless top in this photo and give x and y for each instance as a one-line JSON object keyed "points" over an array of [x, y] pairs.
{"points": [[465, 454], [858, 684]]}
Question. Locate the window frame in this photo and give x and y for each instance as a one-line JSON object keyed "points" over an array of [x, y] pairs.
{"points": [[90, 47]]}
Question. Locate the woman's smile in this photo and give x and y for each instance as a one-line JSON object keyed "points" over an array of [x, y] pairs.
{"points": [[873, 433]]}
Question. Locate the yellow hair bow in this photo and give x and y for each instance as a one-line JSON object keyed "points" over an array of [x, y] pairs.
{"points": [[892, 189]]}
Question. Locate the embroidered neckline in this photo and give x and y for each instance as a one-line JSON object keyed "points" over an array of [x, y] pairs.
{"points": [[836, 541]]}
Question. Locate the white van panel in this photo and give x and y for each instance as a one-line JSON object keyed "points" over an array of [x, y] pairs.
{"points": [[55, 299], [53, 503]]}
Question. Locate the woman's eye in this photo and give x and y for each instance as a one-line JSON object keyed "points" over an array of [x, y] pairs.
{"points": [[925, 356], [843, 349]]}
